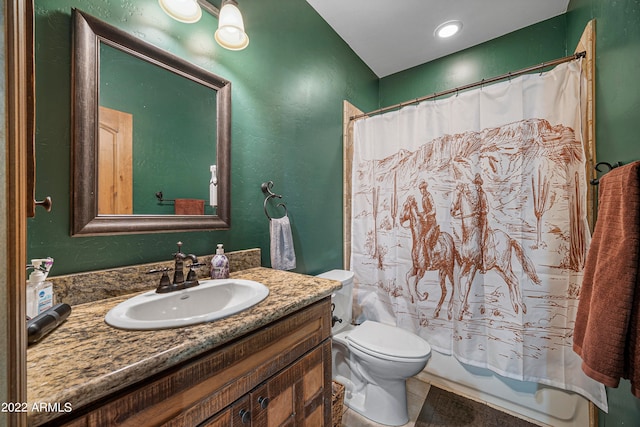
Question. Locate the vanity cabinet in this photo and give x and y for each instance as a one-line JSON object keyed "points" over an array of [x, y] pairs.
{"points": [[278, 375]]}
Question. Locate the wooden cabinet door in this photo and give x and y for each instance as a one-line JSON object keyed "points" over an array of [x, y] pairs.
{"points": [[313, 390], [298, 396]]}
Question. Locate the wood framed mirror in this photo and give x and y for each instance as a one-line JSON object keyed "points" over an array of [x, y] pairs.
{"points": [[93, 42]]}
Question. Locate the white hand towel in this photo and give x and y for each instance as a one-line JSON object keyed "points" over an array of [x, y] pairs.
{"points": [[283, 256]]}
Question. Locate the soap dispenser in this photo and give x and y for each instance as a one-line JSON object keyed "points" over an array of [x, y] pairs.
{"points": [[219, 264], [39, 291]]}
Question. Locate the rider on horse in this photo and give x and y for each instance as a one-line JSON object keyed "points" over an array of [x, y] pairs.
{"points": [[430, 228], [481, 209]]}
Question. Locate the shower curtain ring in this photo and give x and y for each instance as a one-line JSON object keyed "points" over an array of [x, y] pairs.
{"points": [[542, 69]]}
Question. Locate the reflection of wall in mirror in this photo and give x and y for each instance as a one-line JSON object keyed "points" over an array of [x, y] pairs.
{"points": [[174, 129], [115, 172]]}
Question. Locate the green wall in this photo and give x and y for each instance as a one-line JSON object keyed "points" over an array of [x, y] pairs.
{"points": [[287, 93], [617, 65], [617, 124]]}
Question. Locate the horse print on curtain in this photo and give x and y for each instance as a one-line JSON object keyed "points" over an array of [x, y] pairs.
{"points": [[469, 225]]}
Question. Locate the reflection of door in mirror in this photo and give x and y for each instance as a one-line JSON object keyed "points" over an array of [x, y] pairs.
{"points": [[115, 158]]}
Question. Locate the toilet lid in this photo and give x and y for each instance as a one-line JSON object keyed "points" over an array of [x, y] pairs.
{"points": [[374, 337], [342, 276]]}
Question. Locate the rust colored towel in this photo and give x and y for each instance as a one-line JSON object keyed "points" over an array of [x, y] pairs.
{"points": [[607, 323], [189, 207]]}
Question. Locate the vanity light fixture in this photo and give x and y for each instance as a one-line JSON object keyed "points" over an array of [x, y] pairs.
{"points": [[187, 11], [448, 29], [230, 33]]}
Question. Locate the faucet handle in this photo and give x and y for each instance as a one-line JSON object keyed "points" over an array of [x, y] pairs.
{"points": [[192, 277], [165, 282]]}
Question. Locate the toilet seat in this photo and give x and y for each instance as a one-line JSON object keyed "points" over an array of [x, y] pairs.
{"points": [[388, 342]]}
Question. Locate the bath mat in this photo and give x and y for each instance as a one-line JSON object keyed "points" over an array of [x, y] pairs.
{"points": [[443, 408]]}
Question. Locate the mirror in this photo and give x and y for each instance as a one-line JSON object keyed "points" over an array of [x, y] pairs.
{"points": [[166, 129]]}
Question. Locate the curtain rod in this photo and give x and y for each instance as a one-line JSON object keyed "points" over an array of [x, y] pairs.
{"points": [[472, 85]]}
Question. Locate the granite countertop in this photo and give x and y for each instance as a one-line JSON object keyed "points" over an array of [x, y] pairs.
{"points": [[86, 359]]}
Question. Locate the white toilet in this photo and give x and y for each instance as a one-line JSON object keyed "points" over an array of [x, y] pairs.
{"points": [[372, 360]]}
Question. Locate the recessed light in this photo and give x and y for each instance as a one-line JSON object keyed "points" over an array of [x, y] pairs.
{"points": [[448, 29]]}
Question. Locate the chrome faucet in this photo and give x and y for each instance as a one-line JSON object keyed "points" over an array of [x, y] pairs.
{"points": [[179, 281]]}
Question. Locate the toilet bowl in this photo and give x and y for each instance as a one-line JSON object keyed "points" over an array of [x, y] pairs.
{"points": [[373, 360]]}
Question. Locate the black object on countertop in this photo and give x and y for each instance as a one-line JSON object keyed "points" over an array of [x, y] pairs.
{"points": [[46, 322]]}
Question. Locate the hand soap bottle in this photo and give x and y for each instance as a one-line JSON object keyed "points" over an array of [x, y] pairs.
{"points": [[220, 264], [39, 291]]}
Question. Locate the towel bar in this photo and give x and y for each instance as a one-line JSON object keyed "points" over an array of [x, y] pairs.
{"points": [[596, 181]]}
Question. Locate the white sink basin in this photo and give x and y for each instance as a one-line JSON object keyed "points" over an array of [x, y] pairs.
{"points": [[211, 300]]}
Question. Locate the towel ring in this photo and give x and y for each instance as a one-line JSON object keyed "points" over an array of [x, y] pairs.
{"points": [[286, 213], [266, 189]]}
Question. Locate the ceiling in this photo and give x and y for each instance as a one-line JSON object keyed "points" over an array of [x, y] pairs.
{"points": [[392, 36]]}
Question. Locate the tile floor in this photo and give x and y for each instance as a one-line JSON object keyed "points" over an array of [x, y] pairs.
{"points": [[416, 394]]}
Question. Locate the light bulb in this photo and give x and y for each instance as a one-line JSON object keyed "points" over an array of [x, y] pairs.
{"points": [[187, 11], [230, 33], [448, 29]]}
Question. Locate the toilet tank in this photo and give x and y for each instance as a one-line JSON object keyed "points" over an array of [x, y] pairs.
{"points": [[342, 298]]}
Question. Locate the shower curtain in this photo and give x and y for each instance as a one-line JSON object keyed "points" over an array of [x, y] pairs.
{"points": [[469, 226]]}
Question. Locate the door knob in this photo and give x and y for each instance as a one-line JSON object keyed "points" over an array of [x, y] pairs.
{"points": [[46, 203], [263, 401], [245, 416]]}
